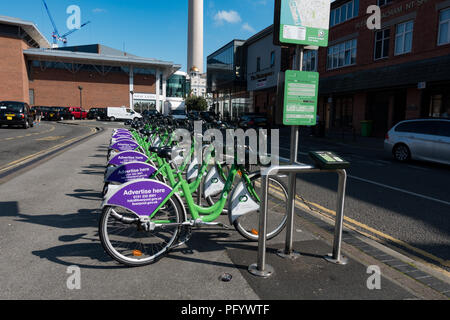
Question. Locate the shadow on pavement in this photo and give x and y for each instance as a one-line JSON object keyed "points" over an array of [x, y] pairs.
{"points": [[86, 194]]}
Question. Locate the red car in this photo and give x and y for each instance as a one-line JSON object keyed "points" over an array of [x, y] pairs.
{"points": [[78, 113]]}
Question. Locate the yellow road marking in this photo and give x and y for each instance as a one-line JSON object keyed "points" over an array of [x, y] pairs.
{"points": [[24, 159], [383, 235], [300, 203], [52, 138]]}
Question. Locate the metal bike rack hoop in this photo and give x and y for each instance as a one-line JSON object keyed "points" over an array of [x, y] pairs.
{"points": [[261, 269]]}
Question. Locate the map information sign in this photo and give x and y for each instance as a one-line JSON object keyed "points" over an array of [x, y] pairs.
{"points": [[305, 22], [300, 98]]}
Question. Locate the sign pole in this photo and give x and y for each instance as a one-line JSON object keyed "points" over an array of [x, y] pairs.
{"points": [[288, 251]]}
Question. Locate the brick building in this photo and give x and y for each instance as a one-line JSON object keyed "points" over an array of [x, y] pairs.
{"points": [[88, 75], [401, 71], [398, 72]]}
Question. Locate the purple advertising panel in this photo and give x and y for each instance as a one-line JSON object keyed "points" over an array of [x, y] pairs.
{"points": [[142, 197], [130, 172], [127, 157], [120, 136], [125, 145], [114, 140]]}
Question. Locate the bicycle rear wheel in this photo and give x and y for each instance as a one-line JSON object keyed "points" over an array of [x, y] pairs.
{"points": [[127, 242], [248, 224]]}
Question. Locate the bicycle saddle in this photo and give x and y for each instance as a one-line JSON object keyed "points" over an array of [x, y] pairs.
{"points": [[165, 153], [154, 149]]}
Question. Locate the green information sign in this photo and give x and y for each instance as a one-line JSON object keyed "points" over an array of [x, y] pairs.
{"points": [[305, 22], [300, 98]]}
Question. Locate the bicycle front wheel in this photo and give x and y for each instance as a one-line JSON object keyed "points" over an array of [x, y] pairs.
{"points": [[127, 241], [248, 224]]}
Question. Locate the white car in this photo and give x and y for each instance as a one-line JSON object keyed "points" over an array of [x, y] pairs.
{"points": [[122, 113], [422, 139]]}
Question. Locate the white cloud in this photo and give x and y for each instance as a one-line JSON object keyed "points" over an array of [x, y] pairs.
{"points": [[227, 16], [98, 10], [248, 28]]}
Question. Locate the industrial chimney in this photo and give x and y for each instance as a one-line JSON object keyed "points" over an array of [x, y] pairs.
{"points": [[195, 37]]}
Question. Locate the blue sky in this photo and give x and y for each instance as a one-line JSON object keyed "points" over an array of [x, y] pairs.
{"points": [[148, 28]]}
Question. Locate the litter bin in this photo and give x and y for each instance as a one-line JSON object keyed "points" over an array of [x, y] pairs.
{"points": [[366, 128]]}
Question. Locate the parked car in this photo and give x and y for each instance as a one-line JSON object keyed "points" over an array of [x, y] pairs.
{"points": [[178, 114], [45, 113], [60, 113], [122, 113], [78, 113], [147, 114], [97, 113], [244, 119], [14, 113], [208, 116], [422, 139], [194, 115], [253, 122]]}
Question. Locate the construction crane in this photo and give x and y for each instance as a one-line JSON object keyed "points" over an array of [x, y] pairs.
{"points": [[55, 35]]}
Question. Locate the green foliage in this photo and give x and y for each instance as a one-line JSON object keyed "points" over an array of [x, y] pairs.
{"points": [[196, 104]]}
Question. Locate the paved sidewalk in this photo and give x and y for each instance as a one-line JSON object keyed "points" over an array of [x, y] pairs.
{"points": [[49, 220]]}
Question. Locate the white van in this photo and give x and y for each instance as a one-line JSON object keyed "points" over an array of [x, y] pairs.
{"points": [[122, 113]]}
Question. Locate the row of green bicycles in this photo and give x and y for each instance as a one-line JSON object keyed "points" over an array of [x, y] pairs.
{"points": [[154, 189]]}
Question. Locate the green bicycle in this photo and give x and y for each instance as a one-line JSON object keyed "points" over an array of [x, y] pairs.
{"points": [[143, 220]]}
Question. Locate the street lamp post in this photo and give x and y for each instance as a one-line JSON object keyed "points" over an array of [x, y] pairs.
{"points": [[81, 96], [132, 100], [81, 101]]}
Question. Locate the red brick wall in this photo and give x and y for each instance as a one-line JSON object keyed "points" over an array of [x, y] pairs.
{"points": [[424, 36], [145, 83], [13, 70], [359, 110], [58, 87], [413, 103]]}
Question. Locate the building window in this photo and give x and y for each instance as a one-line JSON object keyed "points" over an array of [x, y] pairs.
{"points": [[272, 58], [382, 39], [31, 94], [404, 37], [384, 2], [258, 64], [342, 54], [344, 12], [444, 27], [310, 60]]}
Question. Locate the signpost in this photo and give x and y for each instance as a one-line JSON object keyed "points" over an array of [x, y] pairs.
{"points": [[300, 23]]}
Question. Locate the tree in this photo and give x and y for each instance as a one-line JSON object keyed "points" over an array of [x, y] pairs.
{"points": [[196, 104]]}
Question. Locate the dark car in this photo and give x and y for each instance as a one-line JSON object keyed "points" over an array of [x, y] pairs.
{"points": [[13, 113], [253, 121], [45, 112], [208, 116], [148, 114], [194, 115], [58, 114], [179, 114], [97, 113]]}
